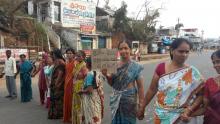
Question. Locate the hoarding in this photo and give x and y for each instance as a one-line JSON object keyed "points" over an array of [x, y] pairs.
{"points": [[78, 14]]}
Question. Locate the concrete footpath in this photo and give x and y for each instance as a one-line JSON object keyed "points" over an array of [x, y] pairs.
{"points": [[154, 56], [149, 58]]}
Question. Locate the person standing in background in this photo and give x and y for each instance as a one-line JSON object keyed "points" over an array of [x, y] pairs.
{"points": [[25, 68], [42, 80], [10, 70], [48, 74]]}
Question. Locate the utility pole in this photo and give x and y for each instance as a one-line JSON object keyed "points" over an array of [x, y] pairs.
{"points": [[97, 3], [202, 39], [178, 29]]}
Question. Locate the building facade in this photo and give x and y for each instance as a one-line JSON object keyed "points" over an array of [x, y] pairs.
{"points": [[74, 21]]}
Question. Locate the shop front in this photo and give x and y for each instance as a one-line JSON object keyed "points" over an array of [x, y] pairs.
{"points": [[102, 42]]}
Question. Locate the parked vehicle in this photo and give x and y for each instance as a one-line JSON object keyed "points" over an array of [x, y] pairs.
{"points": [[135, 46], [153, 48]]}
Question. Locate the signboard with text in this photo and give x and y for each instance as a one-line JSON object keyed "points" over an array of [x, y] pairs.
{"points": [[88, 29], [104, 58], [79, 13]]}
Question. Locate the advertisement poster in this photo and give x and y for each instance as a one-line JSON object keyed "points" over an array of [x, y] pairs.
{"points": [[79, 14]]}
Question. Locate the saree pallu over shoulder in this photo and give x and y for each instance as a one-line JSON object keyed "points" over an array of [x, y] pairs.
{"points": [[68, 91], [175, 90], [126, 74], [77, 69], [76, 100], [123, 101]]}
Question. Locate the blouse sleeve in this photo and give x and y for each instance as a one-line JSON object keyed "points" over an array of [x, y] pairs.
{"points": [[160, 69], [89, 79], [206, 88], [140, 72]]}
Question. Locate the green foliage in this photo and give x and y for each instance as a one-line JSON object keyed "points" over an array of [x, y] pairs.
{"points": [[144, 30], [121, 23], [41, 33]]}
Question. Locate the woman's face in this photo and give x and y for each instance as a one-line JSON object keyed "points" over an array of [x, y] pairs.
{"points": [[53, 57], [79, 57], [124, 50], [49, 60], [216, 63], [181, 53], [70, 55], [22, 58]]}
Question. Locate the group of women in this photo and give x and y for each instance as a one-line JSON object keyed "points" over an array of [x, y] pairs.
{"points": [[75, 93]]}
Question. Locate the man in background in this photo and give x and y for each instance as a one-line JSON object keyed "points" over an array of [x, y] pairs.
{"points": [[10, 70]]}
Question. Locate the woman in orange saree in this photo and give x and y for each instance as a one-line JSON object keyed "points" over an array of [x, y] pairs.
{"points": [[68, 86]]}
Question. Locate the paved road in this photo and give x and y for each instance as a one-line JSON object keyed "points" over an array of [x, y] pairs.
{"points": [[14, 112]]}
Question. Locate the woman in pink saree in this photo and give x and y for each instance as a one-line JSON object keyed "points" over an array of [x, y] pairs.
{"points": [[42, 79]]}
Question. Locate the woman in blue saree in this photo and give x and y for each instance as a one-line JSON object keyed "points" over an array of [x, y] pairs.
{"points": [[25, 69], [126, 98]]}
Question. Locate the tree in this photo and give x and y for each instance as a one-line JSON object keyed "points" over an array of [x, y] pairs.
{"points": [[144, 30], [11, 7], [14, 20], [121, 22], [134, 29]]}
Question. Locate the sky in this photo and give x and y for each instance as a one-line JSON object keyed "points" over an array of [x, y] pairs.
{"points": [[201, 14]]}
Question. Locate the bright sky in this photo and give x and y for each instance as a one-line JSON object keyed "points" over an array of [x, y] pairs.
{"points": [[201, 14]]}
